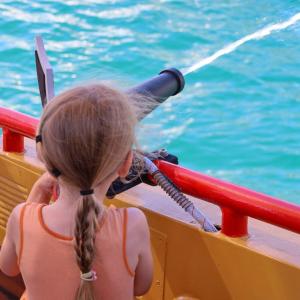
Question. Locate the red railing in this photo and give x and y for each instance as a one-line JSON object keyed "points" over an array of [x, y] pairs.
{"points": [[15, 126], [236, 203]]}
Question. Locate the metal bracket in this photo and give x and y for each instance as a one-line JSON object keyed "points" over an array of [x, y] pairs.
{"points": [[134, 178]]}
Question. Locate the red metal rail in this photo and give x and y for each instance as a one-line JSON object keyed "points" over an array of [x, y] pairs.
{"points": [[15, 126], [236, 203]]}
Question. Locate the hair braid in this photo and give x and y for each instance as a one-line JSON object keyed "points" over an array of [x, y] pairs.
{"points": [[85, 230]]}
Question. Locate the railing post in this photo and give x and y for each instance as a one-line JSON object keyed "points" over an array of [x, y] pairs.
{"points": [[233, 223], [12, 141]]}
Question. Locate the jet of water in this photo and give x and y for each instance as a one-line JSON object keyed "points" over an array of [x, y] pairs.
{"points": [[231, 47]]}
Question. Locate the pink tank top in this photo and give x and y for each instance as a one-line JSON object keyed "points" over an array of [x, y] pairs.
{"points": [[47, 260]]}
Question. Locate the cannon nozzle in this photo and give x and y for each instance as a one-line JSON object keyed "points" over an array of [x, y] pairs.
{"points": [[168, 82]]}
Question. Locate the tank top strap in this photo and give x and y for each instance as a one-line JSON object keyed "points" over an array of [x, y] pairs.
{"points": [[28, 218]]}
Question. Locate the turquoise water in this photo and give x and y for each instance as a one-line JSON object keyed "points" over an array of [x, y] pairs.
{"points": [[238, 118]]}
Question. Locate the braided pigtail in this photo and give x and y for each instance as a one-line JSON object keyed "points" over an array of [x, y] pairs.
{"points": [[85, 229]]}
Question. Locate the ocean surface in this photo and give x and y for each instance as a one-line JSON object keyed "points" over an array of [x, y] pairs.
{"points": [[237, 119]]}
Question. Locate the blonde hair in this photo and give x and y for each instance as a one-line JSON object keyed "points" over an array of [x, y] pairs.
{"points": [[87, 133]]}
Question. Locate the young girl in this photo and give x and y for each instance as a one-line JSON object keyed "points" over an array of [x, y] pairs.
{"points": [[76, 248]]}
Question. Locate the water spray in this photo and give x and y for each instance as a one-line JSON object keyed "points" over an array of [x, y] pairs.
{"points": [[231, 47]]}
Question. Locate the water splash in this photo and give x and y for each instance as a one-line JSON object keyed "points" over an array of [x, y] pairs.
{"points": [[231, 47]]}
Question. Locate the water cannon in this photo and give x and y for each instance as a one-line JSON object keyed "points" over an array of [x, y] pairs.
{"points": [[168, 82]]}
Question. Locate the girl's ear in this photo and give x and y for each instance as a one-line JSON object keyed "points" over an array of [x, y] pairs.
{"points": [[124, 169]]}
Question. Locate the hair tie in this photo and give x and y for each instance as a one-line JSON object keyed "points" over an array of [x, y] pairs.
{"points": [[86, 192], [55, 172], [89, 276], [38, 138]]}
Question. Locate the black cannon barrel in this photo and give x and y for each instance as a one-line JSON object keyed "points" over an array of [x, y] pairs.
{"points": [[168, 83]]}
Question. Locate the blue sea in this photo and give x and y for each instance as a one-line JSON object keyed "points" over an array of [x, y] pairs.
{"points": [[238, 118]]}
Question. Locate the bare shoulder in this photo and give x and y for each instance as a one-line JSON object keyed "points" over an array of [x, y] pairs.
{"points": [[13, 221], [136, 217], [16, 212], [137, 222], [17, 209]]}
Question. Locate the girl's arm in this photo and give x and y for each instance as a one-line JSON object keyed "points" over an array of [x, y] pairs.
{"points": [[8, 253], [144, 269], [41, 192]]}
